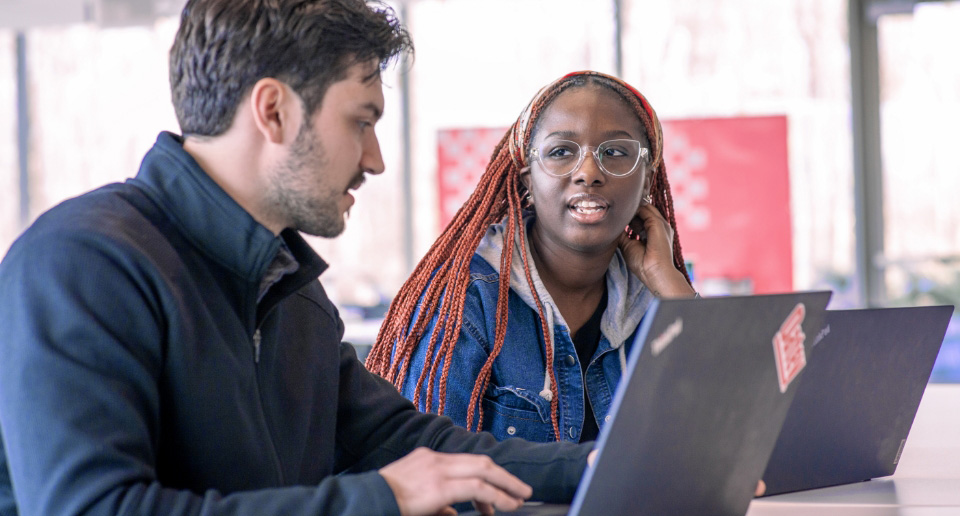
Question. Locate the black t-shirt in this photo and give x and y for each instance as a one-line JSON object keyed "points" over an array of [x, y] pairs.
{"points": [[586, 341]]}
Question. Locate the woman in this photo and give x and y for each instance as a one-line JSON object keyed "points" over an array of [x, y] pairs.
{"points": [[575, 204]]}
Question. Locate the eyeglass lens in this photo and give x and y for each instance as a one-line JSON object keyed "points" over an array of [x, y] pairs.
{"points": [[615, 157]]}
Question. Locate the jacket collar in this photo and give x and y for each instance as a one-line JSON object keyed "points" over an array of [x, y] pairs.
{"points": [[211, 220]]}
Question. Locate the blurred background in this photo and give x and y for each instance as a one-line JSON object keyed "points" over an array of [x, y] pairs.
{"points": [[810, 143]]}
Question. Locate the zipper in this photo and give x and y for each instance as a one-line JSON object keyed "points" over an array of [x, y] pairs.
{"points": [[257, 340]]}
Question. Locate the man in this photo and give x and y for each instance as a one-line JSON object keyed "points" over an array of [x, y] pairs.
{"points": [[167, 348]]}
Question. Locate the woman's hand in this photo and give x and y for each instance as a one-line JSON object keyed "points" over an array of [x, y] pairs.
{"points": [[649, 254]]}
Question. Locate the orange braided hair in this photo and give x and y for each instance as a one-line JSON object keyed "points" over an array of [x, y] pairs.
{"points": [[438, 284]]}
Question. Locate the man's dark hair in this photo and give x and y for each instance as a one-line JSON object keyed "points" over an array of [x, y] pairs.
{"points": [[223, 47]]}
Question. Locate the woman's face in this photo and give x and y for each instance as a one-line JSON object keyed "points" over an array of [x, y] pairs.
{"points": [[587, 210]]}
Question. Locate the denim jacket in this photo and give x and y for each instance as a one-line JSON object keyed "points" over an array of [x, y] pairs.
{"points": [[517, 400]]}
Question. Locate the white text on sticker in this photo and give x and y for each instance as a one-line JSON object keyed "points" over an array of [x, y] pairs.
{"points": [[788, 347]]}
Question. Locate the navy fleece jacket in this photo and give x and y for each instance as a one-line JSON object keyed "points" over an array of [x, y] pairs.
{"points": [[139, 374]]}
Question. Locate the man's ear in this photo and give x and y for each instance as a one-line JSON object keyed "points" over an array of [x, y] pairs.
{"points": [[277, 110]]}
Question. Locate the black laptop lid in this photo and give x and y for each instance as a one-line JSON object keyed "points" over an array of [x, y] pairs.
{"points": [[698, 410], [858, 398]]}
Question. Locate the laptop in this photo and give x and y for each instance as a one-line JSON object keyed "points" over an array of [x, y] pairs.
{"points": [[860, 392], [696, 414]]}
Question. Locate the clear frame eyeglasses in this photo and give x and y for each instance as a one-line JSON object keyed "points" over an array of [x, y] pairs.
{"points": [[617, 158]]}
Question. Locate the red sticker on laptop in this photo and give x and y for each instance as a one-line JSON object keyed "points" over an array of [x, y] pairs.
{"points": [[788, 347]]}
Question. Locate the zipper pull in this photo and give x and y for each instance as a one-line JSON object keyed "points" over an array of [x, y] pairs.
{"points": [[256, 346]]}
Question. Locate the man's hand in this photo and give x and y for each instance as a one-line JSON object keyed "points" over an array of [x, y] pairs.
{"points": [[426, 482]]}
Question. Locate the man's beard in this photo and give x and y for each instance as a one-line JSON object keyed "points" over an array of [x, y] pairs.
{"points": [[299, 192]]}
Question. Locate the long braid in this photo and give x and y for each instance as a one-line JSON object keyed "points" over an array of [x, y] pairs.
{"points": [[500, 328], [441, 257], [438, 285], [662, 185], [548, 345]]}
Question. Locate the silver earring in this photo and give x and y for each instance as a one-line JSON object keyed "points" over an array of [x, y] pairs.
{"points": [[648, 199], [527, 201]]}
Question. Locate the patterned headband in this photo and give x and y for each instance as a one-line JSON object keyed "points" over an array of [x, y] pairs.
{"points": [[518, 150]]}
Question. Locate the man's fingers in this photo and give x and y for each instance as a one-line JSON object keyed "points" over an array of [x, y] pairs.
{"points": [[484, 508], [482, 494], [462, 466], [426, 482]]}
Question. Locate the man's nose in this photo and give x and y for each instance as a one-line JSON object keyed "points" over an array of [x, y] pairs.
{"points": [[372, 160]]}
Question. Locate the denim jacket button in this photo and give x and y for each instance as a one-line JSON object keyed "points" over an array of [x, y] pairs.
{"points": [[511, 430], [572, 432], [606, 419], [571, 361]]}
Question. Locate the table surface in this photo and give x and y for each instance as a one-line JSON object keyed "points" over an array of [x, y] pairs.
{"points": [[926, 483]]}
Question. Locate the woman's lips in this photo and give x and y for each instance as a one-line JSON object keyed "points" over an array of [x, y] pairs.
{"points": [[588, 208]]}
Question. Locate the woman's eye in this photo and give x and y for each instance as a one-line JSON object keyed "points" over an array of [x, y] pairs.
{"points": [[614, 152], [560, 152]]}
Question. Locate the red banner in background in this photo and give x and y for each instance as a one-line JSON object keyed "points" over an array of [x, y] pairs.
{"points": [[731, 190], [462, 156], [730, 184]]}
